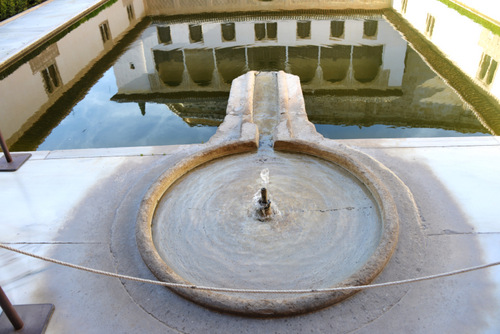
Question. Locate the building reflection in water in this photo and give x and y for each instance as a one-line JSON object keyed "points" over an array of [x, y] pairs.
{"points": [[355, 71], [321, 52], [32, 88]]}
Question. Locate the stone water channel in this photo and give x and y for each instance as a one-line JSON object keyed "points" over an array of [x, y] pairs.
{"points": [[333, 222]]}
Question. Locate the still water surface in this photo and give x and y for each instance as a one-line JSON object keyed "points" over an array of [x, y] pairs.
{"points": [[360, 79], [98, 122]]}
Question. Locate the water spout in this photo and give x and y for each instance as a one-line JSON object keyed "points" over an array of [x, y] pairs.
{"points": [[264, 210]]}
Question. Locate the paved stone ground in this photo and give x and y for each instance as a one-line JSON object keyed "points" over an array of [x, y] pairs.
{"points": [[81, 206]]}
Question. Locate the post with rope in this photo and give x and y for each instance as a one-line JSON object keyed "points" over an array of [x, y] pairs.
{"points": [[36, 316], [10, 311], [12, 162]]}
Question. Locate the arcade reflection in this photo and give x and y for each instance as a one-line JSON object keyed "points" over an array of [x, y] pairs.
{"points": [[342, 54], [354, 72], [360, 79]]}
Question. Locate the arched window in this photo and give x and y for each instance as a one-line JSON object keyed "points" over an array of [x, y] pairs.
{"points": [[335, 61], [228, 32], [366, 61], [170, 66], [337, 29]]}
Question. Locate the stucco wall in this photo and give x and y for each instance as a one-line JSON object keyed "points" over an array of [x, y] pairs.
{"points": [[465, 42]]}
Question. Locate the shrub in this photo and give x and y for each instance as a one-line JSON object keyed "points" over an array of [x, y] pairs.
{"points": [[9, 8]]}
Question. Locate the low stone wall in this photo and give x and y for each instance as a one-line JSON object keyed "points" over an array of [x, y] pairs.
{"points": [[182, 7]]}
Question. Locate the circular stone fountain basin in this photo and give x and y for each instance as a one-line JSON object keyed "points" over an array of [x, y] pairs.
{"points": [[330, 226], [325, 224]]}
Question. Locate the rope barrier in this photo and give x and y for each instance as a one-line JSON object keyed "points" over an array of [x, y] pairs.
{"points": [[230, 290]]}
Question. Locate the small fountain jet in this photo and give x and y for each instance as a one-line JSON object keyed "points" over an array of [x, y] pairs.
{"points": [[264, 210]]}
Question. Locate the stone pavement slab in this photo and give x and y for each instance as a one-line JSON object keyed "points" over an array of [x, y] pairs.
{"points": [[81, 208]]}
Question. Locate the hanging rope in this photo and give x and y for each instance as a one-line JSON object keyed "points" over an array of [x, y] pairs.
{"points": [[190, 286]]}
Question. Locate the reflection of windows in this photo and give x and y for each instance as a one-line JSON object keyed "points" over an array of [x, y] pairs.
{"points": [[271, 58], [105, 33], [404, 5], [335, 62], [195, 33], [260, 31], [130, 12], [51, 78], [303, 61], [366, 62], [228, 32], [164, 35], [337, 29], [429, 25], [45, 58], [200, 65], [231, 63], [303, 29], [268, 30], [170, 66], [370, 28], [272, 30], [487, 69]]}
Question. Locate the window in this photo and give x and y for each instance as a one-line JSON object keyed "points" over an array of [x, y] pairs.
{"points": [[228, 32], [51, 78], [337, 29], [164, 35], [266, 31], [272, 30], [491, 72], [303, 29], [195, 33], [404, 5], [429, 25], [487, 69], [105, 33], [370, 28], [260, 31], [130, 12], [366, 62]]}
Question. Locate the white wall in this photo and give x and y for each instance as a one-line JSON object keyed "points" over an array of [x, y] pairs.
{"points": [[23, 94], [462, 40]]}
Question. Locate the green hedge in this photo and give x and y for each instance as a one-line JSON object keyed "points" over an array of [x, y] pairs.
{"points": [[9, 8], [474, 17]]}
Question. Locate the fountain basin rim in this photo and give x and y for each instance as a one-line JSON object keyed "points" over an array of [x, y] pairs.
{"points": [[272, 305]]}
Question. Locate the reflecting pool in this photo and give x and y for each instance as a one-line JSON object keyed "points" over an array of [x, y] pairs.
{"points": [[169, 82]]}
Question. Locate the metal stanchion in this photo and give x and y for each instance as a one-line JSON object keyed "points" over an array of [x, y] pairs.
{"points": [[36, 317], [12, 161], [10, 311]]}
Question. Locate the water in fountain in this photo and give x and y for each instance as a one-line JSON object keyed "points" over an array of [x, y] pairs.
{"points": [[207, 231], [322, 227]]}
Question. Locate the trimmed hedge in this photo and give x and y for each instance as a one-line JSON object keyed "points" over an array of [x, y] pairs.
{"points": [[474, 17], [9, 8]]}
